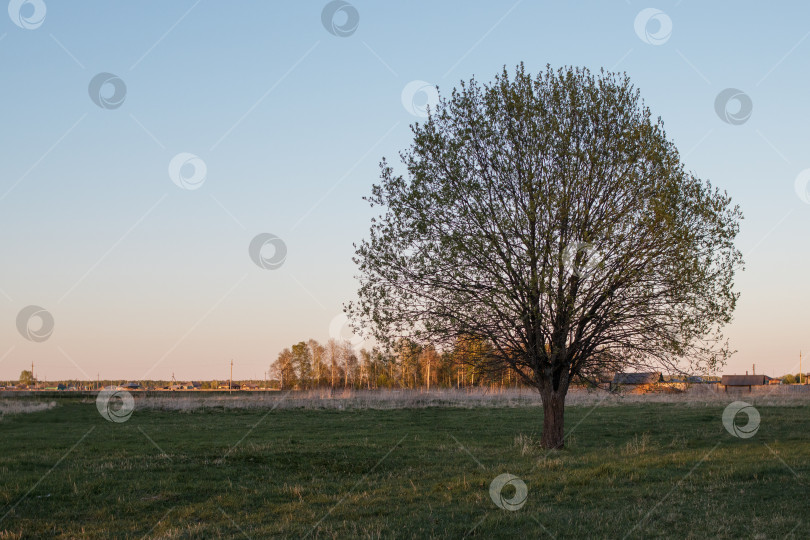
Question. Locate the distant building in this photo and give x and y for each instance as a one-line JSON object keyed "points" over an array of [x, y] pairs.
{"points": [[637, 382], [186, 386], [741, 381], [130, 386]]}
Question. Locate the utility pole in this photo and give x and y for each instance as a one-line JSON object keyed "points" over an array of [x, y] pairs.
{"points": [[800, 367], [230, 381]]}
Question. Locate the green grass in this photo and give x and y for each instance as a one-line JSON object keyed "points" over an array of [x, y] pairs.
{"points": [[652, 470]]}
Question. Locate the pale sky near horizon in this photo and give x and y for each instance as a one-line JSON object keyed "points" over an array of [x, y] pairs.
{"points": [[145, 277]]}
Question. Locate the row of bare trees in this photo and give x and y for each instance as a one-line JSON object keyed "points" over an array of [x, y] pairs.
{"points": [[337, 364]]}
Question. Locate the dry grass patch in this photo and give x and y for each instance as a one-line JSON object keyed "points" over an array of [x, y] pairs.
{"points": [[13, 406], [465, 398], [638, 445]]}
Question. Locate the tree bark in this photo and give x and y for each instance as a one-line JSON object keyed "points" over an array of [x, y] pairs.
{"points": [[553, 421]]}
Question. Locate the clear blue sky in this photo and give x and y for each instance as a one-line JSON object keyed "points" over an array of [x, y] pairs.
{"points": [[144, 277]]}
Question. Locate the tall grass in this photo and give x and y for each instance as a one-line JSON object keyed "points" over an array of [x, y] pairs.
{"points": [[14, 406], [461, 398]]}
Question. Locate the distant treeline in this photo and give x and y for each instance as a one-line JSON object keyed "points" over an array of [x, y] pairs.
{"points": [[78, 384], [310, 364], [338, 364]]}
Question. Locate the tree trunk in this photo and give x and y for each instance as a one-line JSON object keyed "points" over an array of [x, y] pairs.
{"points": [[428, 376], [553, 421]]}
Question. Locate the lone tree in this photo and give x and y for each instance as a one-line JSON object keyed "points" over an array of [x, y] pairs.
{"points": [[551, 217], [27, 378]]}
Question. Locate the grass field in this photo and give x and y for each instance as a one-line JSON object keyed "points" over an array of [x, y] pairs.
{"points": [[638, 470]]}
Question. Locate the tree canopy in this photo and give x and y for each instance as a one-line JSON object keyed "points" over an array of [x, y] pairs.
{"points": [[27, 377]]}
